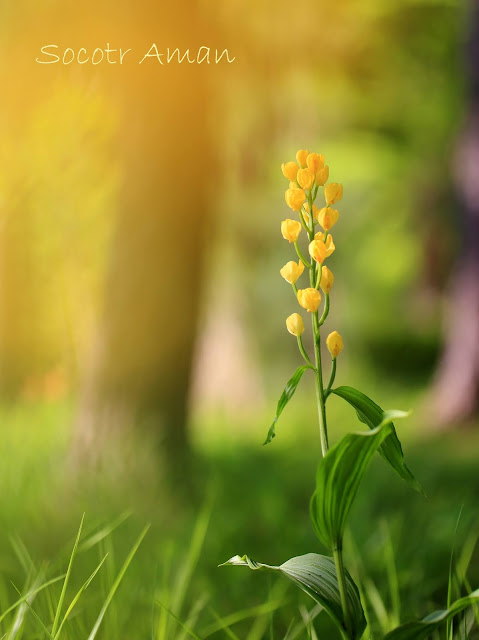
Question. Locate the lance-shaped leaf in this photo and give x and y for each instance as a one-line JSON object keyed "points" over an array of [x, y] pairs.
{"points": [[286, 396], [316, 575], [337, 481], [422, 629], [371, 414]]}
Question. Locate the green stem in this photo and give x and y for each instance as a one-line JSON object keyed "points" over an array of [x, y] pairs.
{"points": [[315, 279], [319, 275], [326, 310], [303, 351], [303, 221], [318, 373], [300, 255], [341, 574], [331, 380], [323, 429]]}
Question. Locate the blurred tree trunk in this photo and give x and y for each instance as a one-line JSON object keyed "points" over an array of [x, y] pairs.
{"points": [[456, 387], [138, 377]]}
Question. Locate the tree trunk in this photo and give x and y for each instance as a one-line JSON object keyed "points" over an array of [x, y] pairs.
{"points": [[456, 387], [139, 376]]}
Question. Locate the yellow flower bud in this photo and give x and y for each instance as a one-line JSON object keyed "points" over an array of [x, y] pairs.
{"points": [[329, 244], [292, 184], [335, 345], [309, 299], [291, 271], [327, 279], [317, 250], [295, 198], [322, 176], [306, 213], [301, 157], [289, 169], [290, 229], [328, 217], [333, 192], [295, 324], [315, 162], [305, 178]]}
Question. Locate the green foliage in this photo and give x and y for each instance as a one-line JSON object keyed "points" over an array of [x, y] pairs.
{"points": [[286, 396], [316, 575], [372, 415], [424, 628], [51, 621], [337, 481]]}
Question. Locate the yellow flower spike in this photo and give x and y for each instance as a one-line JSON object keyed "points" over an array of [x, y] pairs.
{"points": [[290, 229], [295, 198], [315, 212], [309, 299], [315, 162], [328, 217], [302, 156], [305, 178], [295, 324], [322, 176], [335, 344], [318, 250], [291, 271], [327, 279], [289, 169], [329, 244], [333, 192]]}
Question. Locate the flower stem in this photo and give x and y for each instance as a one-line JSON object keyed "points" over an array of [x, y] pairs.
{"points": [[323, 429], [318, 374], [338, 561], [321, 395], [303, 352], [300, 255], [326, 310], [331, 380]]}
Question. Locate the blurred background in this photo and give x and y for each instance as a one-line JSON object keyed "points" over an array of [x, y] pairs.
{"points": [[142, 338]]}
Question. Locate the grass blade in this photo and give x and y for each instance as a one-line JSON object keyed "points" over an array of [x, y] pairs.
{"points": [[192, 557], [243, 614], [95, 538], [29, 594], [77, 597], [67, 578], [450, 586], [34, 613], [191, 633], [116, 584]]}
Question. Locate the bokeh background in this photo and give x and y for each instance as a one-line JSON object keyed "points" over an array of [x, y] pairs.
{"points": [[142, 337]]}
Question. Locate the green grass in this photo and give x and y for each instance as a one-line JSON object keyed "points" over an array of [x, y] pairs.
{"points": [[236, 497]]}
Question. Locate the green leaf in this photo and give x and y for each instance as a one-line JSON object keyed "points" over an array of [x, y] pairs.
{"points": [[422, 629], [337, 481], [286, 396], [372, 415], [316, 575]]}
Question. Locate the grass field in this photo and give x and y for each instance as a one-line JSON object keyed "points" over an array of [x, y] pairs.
{"points": [[233, 496]]}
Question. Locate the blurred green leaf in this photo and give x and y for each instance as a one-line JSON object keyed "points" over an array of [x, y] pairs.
{"points": [[337, 481], [286, 396], [316, 575], [424, 628], [372, 415]]}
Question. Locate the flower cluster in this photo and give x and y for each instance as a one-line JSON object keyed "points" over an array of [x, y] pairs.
{"points": [[306, 176]]}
